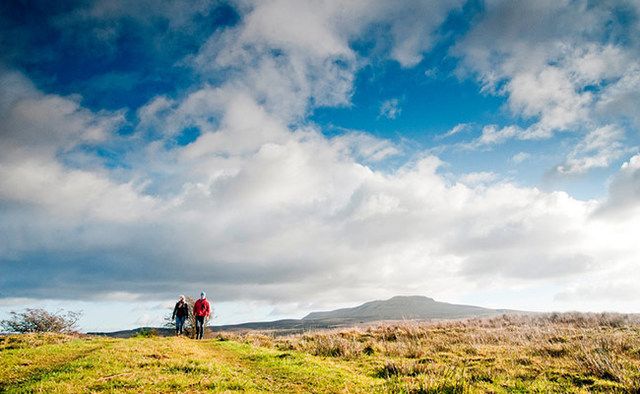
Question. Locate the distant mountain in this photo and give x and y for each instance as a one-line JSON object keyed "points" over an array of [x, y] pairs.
{"points": [[404, 308], [396, 308]]}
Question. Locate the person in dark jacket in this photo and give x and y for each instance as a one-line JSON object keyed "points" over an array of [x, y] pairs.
{"points": [[180, 314], [201, 310]]}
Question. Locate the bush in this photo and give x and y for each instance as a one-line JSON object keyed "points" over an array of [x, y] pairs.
{"points": [[147, 332], [40, 320]]}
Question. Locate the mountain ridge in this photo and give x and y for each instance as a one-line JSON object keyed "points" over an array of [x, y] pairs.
{"points": [[413, 307], [398, 308]]}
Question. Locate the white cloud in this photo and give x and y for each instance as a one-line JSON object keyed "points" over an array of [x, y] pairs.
{"points": [[624, 190], [457, 129], [431, 72], [66, 192], [412, 27], [520, 157], [621, 98], [598, 149], [292, 216], [478, 178], [36, 128], [563, 66], [292, 55], [549, 96], [43, 124], [390, 109], [259, 209], [493, 135], [363, 146]]}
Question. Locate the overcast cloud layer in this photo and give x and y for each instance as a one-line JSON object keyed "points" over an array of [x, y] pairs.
{"points": [[265, 205]]}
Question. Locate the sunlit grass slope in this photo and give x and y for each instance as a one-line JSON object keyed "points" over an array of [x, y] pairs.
{"points": [[544, 353], [63, 364]]}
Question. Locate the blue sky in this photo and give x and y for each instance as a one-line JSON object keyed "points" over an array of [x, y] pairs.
{"points": [[296, 156]]}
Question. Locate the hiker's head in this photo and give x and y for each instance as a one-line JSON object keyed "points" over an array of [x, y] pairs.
{"points": [[203, 295], [182, 298]]}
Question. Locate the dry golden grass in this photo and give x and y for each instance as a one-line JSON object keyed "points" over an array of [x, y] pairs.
{"points": [[579, 353], [559, 352]]}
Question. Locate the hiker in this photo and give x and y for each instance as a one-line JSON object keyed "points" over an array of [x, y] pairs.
{"points": [[180, 314], [201, 311]]}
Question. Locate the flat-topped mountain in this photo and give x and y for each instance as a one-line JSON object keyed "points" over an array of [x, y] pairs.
{"points": [[404, 308], [396, 308]]}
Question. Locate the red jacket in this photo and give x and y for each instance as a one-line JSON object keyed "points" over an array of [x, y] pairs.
{"points": [[201, 308]]}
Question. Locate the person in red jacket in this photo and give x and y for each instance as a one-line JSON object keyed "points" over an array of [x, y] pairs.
{"points": [[201, 310]]}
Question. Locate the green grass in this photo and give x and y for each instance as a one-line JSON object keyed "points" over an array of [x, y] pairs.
{"points": [[69, 365], [574, 354]]}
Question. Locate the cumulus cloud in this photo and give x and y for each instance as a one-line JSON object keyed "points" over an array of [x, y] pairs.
{"points": [[624, 189], [558, 67], [43, 123], [289, 214], [621, 98], [292, 55], [37, 128], [263, 206]]}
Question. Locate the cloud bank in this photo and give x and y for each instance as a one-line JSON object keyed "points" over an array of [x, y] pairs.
{"points": [[262, 205]]}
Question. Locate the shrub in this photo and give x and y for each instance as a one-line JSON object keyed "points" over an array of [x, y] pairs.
{"points": [[147, 332], [39, 320]]}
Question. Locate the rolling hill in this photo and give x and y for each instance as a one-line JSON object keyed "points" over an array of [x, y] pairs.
{"points": [[394, 309], [404, 308]]}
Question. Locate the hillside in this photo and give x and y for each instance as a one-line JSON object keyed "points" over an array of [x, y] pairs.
{"points": [[72, 364], [568, 353], [404, 308]]}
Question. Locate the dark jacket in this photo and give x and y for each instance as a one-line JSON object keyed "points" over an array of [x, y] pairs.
{"points": [[181, 310]]}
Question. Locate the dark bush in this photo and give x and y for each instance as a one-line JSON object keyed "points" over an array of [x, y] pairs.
{"points": [[40, 320], [147, 332]]}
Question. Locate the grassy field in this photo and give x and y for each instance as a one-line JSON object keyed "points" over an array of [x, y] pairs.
{"points": [[550, 353]]}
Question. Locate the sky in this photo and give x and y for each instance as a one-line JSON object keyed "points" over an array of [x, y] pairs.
{"points": [[295, 156]]}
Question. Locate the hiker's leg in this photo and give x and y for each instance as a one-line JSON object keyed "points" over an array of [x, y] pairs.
{"points": [[199, 327]]}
